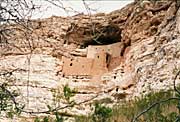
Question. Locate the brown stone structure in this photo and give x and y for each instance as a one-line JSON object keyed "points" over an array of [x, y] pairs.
{"points": [[114, 50], [99, 60]]}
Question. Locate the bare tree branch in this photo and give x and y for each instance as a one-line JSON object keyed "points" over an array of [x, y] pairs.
{"points": [[174, 82], [162, 101], [152, 106]]}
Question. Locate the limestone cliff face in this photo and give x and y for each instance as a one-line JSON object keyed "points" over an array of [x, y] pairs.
{"points": [[149, 32]]}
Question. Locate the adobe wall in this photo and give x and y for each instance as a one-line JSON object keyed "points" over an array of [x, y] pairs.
{"points": [[78, 66], [113, 49], [115, 61], [85, 66], [99, 66], [99, 60]]}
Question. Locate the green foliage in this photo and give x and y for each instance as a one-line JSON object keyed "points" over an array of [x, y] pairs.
{"points": [[45, 119], [58, 118], [57, 96], [37, 119], [160, 113], [50, 119], [7, 104], [68, 93], [83, 119], [125, 112], [101, 113], [65, 95], [49, 107]]}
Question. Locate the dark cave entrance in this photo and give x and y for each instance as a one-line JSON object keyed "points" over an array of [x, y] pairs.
{"points": [[106, 35]]}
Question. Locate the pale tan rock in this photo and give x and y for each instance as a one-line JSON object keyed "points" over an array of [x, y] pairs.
{"points": [[150, 57]]}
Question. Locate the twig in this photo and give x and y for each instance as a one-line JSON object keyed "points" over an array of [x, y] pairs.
{"points": [[12, 97], [174, 82], [153, 105], [61, 6], [55, 109], [163, 101], [10, 72]]}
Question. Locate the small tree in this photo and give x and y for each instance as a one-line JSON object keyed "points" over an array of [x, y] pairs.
{"points": [[101, 113]]}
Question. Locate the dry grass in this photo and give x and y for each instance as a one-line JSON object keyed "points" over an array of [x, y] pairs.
{"points": [[166, 112]]}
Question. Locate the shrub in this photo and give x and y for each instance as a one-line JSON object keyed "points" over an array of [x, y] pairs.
{"points": [[101, 113], [126, 111], [68, 93]]}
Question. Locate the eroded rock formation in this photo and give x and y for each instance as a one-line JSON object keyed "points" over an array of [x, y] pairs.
{"points": [[149, 32]]}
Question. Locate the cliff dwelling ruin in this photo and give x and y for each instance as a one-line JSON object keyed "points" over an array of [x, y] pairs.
{"points": [[97, 60]]}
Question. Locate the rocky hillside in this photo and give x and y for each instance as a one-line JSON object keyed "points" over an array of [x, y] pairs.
{"points": [[149, 32]]}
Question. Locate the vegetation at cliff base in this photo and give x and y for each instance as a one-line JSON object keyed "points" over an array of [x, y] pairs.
{"points": [[167, 112]]}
